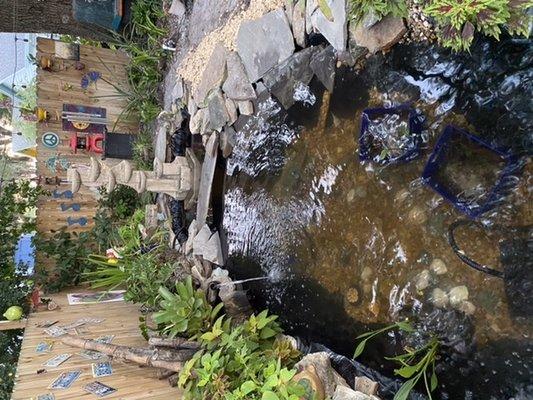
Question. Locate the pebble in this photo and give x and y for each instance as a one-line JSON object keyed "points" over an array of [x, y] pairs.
{"points": [[417, 215], [439, 298], [350, 196], [366, 274], [352, 295], [422, 280], [438, 267], [467, 307], [457, 295]]}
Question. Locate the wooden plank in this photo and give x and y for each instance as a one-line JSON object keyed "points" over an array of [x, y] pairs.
{"points": [[121, 320], [11, 325]]}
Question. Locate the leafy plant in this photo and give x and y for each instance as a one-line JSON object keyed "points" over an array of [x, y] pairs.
{"points": [[143, 150], [458, 20], [413, 365], [377, 8], [186, 313], [240, 362], [10, 343]]}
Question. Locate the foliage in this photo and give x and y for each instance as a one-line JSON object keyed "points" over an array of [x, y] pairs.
{"points": [[28, 96], [458, 20], [238, 362], [69, 252], [10, 342], [378, 8], [413, 365], [186, 313], [5, 107], [80, 40], [143, 150], [142, 42], [121, 202]]}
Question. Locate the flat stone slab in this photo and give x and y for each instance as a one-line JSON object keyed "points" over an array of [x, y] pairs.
{"points": [[380, 36], [264, 43], [218, 114], [206, 180], [213, 75], [323, 65], [237, 85], [332, 23]]}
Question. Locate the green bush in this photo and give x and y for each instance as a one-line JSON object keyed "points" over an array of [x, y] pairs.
{"points": [[239, 362], [10, 342], [458, 20], [379, 8]]}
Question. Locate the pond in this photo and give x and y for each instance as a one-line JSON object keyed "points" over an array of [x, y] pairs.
{"points": [[349, 246]]}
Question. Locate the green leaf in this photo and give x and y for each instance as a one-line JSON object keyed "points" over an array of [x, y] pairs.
{"points": [[360, 348], [405, 326], [267, 333], [434, 381], [269, 395], [326, 10], [407, 371], [404, 391], [247, 387]]}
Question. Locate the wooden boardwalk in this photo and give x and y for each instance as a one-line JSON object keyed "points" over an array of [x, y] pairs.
{"points": [[122, 320]]}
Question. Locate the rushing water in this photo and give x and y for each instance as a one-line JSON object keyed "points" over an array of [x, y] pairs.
{"points": [[348, 246]]}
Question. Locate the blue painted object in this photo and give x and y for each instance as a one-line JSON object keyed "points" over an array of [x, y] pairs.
{"points": [[415, 123], [505, 179]]}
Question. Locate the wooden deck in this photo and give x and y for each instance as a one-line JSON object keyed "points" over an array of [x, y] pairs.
{"points": [[121, 319]]}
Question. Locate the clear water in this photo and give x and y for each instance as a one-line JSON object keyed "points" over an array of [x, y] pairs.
{"points": [[348, 246]]}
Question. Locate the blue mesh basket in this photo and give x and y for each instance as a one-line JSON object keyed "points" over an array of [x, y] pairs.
{"points": [[459, 153], [367, 142]]}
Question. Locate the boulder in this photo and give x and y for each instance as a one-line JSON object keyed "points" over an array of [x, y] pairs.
{"points": [[344, 393], [213, 75], [365, 385], [310, 7], [237, 86], [231, 108], [322, 365], [177, 8], [381, 36], [246, 107], [323, 65], [199, 242], [330, 20], [227, 141], [298, 23], [264, 43], [218, 113], [457, 295], [354, 53], [206, 179], [212, 251], [197, 122], [193, 231], [282, 79]]}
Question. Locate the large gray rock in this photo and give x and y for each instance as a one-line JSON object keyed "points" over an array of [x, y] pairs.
{"points": [[323, 65], [199, 242], [298, 23], [381, 36], [344, 393], [231, 108], [228, 139], [199, 121], [177, 8], [213, 75], [334, 29], [218, 113], [206, 180], [212, 251], [322, 364], [246, 107], [264, 43], [282, 80], [237, 85]]}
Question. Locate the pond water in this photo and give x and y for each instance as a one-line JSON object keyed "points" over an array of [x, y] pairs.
{"points": [[349, 246]]}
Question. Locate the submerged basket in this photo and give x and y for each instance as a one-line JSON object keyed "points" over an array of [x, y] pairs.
{"points": [[367, 140], [503, 179]]}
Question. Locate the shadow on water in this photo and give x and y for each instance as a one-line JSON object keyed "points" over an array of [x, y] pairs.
{"points": [[347, 247]]}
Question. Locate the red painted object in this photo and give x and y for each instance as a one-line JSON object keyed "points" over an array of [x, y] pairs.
{"points": [[89, 142]]}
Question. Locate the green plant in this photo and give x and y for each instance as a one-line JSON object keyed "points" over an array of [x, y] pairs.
{"points": [[378, 8], [10, 343], [458, 20], [240, 362], [185, 313], [413, 365], [143, 150]]}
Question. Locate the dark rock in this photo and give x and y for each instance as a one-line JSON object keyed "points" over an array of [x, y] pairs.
{"points": [[227, 141], [237, 85], [323, 65], [264, 43], [353, 54], [282, 79]]}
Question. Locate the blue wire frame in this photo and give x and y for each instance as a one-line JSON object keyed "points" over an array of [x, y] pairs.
{"points": [[415, 130], [504, 183]]}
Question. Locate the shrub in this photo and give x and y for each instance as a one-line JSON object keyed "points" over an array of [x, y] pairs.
{"points": [[458, 20], [379, 8]]}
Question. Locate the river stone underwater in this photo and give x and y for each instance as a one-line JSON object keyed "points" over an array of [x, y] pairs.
{"points": [[349, 246]]}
